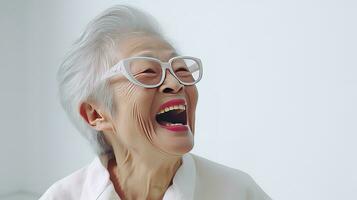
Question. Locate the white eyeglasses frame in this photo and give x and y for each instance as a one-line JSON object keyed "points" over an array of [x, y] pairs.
{"points": [[122, 67]]}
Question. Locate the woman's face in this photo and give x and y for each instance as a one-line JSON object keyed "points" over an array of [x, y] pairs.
{"points": [[136, 123]]}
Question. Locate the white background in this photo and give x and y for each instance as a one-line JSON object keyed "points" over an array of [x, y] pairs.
{"points": [[278, 97]]}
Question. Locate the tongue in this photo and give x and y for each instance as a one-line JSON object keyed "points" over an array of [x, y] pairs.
{"points": [[171, 118]]}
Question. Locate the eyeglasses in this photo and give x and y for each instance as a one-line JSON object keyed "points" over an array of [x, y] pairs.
{"points": [[151, 72]]}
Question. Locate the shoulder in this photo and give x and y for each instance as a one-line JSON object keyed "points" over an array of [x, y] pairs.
{"points": [[82, 183], [64, 188], [213, 170], [221, 180]]}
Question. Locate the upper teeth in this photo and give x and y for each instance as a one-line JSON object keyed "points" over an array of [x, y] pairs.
{"points": [[176, 107]]}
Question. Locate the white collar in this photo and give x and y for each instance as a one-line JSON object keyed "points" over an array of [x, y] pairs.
{"points": [[182, 188]]}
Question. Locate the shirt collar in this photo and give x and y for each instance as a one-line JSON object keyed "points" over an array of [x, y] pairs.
{"points": [[185, 178], [183, 183]]}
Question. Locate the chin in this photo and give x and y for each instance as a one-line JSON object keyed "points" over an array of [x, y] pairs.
{"points": [[175, 142]]}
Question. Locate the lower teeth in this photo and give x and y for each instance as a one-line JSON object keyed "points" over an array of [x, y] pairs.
{"points": [[170, 124]]}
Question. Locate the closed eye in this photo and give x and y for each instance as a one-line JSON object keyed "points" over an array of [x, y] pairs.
{"points": [[182, 69], [149, 71]]}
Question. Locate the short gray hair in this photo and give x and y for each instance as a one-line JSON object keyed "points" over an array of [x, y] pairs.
{"points": [[91, 55]]}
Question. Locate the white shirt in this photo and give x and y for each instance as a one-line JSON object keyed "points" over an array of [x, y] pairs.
{"points": [[196, 179]]}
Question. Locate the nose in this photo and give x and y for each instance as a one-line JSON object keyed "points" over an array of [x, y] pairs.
{"points": [[170, 84]]}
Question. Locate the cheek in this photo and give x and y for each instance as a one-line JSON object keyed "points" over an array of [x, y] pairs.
{"points": [[133, 105], [192, 98]]}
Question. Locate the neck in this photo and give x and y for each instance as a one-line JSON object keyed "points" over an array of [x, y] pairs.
{"points": [[142, 176]]}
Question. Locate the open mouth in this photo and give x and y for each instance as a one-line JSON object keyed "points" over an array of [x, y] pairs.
{"points": [[172, 115]]}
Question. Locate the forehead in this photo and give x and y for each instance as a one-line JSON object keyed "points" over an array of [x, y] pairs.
{"points": [[146, 45]]}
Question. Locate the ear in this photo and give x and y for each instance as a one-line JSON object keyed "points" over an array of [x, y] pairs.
{"points": [[92, 115]]}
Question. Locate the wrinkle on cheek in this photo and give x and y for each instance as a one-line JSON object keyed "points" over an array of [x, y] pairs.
{"points": [[137, 109], [126, 91], [144, 123]]}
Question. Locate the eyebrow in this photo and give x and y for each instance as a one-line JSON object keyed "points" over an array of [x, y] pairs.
{"points": [[150, 54]]}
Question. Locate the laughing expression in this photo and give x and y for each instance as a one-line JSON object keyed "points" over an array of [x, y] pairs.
{"points": [[158, 119]]}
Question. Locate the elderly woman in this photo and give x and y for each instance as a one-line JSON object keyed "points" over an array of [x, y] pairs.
{"points": [[133, 96]]}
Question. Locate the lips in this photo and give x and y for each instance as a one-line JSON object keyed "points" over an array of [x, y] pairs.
{"points": [[172, 115], [172, 102]]}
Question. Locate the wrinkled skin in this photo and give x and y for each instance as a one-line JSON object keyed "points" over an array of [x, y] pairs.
{"points": [[147, 155]]}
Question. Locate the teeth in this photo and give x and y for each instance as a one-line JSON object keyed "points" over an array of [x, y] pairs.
{"points": [[176, 124], [176, 107]]}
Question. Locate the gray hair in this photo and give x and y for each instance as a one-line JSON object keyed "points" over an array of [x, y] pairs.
{"points": [[91, 55]]}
